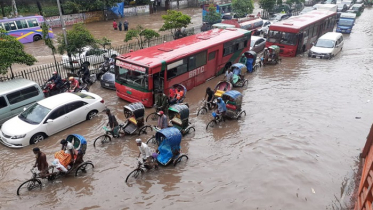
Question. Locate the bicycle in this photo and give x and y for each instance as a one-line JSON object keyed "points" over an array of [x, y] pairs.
{"points": [[207, 105], [154, 115], [106, 138], [140, 169], [217, 119]]}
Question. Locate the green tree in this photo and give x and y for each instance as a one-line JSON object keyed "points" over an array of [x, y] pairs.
{"points": [[142, 35], [242, 7], [212, 16], [77, 38], [104, 42], [49, 42], [12, 52], [174, 20], [267, 4]]}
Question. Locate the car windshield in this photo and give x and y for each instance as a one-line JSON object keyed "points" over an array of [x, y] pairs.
{"points": [[345, 22], [34, 114], [340, 6], [82, 95], [132, 77], [325, 43], [355, 8], [282, 37]]}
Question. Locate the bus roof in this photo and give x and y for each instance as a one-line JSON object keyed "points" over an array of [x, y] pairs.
{"points": [[19, 18], [170, 51], [295, 23]]}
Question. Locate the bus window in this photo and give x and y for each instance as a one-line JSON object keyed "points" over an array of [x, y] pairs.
{"points": [[288, 38], [177, 68], [10, 26], [21, 24], [197, 60], [134, 78], [32, 23], [314, 31], [1, 26], [212, 55]]}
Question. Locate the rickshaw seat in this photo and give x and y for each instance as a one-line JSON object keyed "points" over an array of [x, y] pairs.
{"points": [[219, 93], [231, 107], [133, 120], [130, 128], [231, 102], [176, 121]]}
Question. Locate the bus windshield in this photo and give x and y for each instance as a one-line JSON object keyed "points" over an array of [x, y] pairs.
{"points": [[325, 43], [345, 22], [282, 37], [133, 78]]}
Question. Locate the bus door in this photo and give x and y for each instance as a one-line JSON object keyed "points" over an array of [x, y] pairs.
{"points": [[211, 67], [158, 81], [300, 48]]}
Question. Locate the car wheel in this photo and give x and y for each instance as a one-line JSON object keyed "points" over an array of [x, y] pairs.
{"points": [[37, 138], [91, 114]]}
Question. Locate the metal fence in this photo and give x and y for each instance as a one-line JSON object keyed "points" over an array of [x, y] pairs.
{"points": [[40, 73]]}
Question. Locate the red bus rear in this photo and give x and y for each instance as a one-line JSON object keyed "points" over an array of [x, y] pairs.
{"points": [[189, 61], [296, 34], [250, 22]]}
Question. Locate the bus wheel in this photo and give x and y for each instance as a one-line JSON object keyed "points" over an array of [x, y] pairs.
{"points": [[303, 49], [37, 38]]}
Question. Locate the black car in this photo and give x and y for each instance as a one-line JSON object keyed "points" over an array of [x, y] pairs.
{"points": [[279, 17], [108, 79], [342, 7]]}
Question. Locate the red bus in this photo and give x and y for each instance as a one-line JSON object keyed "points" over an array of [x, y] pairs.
{"points": [[250, 22], [296, 34], [189, 61]]}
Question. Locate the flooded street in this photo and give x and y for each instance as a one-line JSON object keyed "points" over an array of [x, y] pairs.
{"points": [[297, 148]]}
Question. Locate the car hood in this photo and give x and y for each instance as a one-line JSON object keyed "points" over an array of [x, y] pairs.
{"points": [[16, 126], [344, 27], [321, 50]]}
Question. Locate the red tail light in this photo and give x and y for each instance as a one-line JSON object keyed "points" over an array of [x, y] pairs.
{"points": [[75, 62], [102, 101]]}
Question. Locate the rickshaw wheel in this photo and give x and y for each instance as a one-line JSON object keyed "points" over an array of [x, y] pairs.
{"points": [[152, 117], [101, 140], [144, 129], [179, 159], [151, 141], [202, 111], [135, 173], [29, 185], [188, 129], [211, 124], [239, 114], [84, 167], [245, 83]]}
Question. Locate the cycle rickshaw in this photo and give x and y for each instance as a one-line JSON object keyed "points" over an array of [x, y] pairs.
{"points": [[179, 117], [271, 55], [134, 113], [249, 59], [154, 116], [239, 71], [59, 166], [220, 89], [233, 101], [169, 151]]}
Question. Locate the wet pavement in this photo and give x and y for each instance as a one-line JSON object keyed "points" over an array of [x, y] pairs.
{"points": [[297, 148]]}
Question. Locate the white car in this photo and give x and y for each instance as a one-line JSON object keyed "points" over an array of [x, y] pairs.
{"points": [[264, 29], [257, 43], [92, 55], [49, 116], [327, 46]]}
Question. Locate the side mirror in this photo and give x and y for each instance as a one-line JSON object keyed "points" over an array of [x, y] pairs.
{"points": [[49, 121], [24, 108]]}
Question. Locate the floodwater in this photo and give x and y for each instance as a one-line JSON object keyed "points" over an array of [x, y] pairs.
{"points": [[297, 148]]}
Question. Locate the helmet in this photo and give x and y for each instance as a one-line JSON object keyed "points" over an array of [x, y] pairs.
{"points": [[71, 78], [160, 113], [138, 141], [54, 72]]}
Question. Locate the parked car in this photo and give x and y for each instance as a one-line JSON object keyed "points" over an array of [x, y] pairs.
{"points": [[342, 7], [330, 2], [257, 43], [307, 9], [327, 46], [92, 55], [108, 79], [49, 116], [279, 17], [17, 94]]}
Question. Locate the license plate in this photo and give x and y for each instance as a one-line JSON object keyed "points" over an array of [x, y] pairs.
{"points": [[106, 84]]}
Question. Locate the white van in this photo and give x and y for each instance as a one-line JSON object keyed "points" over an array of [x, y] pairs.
{"points": [[17, 94], [327, 46], [327, 7]]}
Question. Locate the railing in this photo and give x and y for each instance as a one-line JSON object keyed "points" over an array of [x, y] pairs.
{"points": [[40, 73]]}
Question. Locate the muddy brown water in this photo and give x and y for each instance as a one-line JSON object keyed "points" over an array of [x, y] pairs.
{"points": [[306, 123]]}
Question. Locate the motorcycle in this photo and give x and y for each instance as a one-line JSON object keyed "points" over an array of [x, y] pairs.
{"points": [[107, 65], [82, 88], [49, 88]]}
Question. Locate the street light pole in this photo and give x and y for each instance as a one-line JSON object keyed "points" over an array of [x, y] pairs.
{"points": [[64, 33]]}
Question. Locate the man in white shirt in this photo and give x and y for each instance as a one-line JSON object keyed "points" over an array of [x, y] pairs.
{"points": [[145, 153], [69, 148]]}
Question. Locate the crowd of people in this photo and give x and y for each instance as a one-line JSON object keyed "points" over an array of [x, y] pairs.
{"points": [[118, 25]]}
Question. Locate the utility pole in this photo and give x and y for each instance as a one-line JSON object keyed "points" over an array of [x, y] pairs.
{"points": [[64, 33], [14, 6]]}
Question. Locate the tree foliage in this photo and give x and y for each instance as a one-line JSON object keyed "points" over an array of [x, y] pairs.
{"points": [[104, 42], [48, 41], [212, 16], [174, 20], [12, 52], [142, 35], [242, 7], [267, 4], [77, 38]]}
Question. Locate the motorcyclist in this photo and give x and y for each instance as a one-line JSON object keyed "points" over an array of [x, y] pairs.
{"points": [[86, 73], [74, 84], [56, 79]]}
